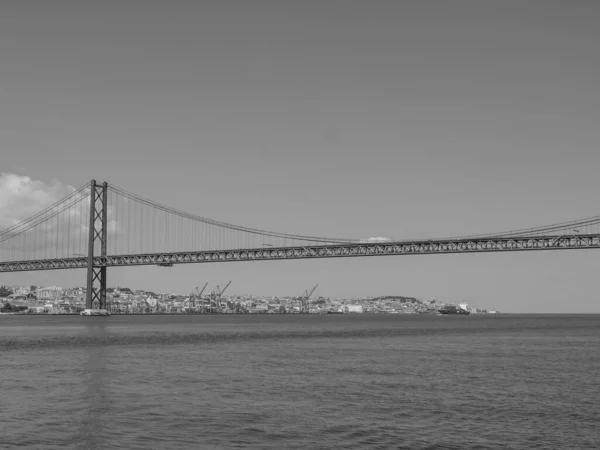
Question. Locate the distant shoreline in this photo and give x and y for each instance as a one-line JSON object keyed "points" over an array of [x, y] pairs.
{"points": [[317, 314]]}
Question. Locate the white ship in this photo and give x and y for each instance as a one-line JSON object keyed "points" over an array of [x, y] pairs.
{"points": [[95, 312]]}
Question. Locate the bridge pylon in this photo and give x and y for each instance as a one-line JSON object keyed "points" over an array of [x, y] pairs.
{"points": [[96, 274]]}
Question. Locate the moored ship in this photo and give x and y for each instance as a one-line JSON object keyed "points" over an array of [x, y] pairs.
{"points": [[95, 312], [451, 309]]}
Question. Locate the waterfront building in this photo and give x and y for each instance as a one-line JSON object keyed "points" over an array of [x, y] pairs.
{"points": [[354, 308], [49, 293]]}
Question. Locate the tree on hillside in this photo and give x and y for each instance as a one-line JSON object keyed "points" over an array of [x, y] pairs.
{"points": [[7, 307], [5, 292]]}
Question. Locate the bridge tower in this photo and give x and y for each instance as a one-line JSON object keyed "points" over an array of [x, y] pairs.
{"points": [[96, 275]]}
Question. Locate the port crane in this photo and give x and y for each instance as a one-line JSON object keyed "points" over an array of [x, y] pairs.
{"points": [[216, 297], [198, 295], [304, 300]]}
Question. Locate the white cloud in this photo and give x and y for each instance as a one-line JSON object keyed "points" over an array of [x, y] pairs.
{"points": [[112, 226], [21, 197], [375, 239]]}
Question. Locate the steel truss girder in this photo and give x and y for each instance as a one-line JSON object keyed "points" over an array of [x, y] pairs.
{"points": [[43, 264], [353, 250], [487, 245]]}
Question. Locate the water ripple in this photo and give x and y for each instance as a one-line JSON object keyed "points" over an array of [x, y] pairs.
{"points": [[300, 382]]}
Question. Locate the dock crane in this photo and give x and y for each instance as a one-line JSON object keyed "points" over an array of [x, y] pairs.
{"points": [[199, 293], [304, 300], [216, 297]]}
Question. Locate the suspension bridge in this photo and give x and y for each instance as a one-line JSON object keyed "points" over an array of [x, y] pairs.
{"points": [[99, 226]]}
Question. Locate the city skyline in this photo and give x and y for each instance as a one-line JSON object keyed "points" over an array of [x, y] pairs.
{"points": [[399, 121]]}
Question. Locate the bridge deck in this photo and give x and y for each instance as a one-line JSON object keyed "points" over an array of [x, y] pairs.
{"points": [[422, 247]]}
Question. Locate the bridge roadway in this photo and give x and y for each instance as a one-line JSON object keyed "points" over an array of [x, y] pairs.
{"points": [[421, 247]]}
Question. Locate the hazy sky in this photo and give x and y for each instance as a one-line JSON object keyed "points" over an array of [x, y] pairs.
{"points": [[338, 118]]}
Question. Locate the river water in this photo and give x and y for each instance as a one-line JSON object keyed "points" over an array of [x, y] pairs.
{"points": [[300, 382]]}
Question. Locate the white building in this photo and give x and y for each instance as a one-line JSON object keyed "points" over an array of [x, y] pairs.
{"points": [[49, 293]]}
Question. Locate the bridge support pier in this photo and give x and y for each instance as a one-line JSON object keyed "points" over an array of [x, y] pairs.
{"points": [[96, 274]]}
